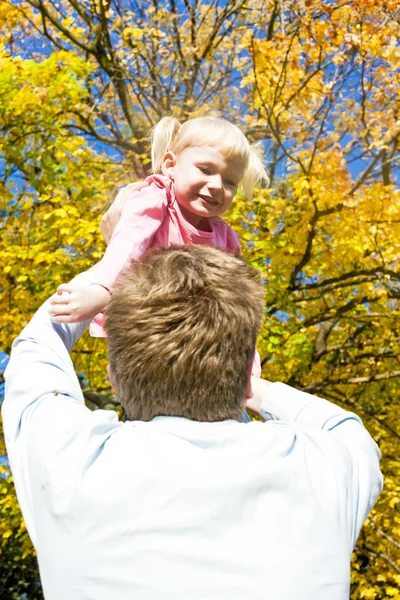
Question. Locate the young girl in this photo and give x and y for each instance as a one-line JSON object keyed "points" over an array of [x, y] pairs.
{"points": [[198, 167]]}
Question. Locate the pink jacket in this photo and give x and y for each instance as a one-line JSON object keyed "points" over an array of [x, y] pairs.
{"points": [[152, 217]]}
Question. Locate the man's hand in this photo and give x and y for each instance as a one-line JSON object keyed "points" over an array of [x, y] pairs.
{"points": [[112, 216], [258, 390], [74, 303]]}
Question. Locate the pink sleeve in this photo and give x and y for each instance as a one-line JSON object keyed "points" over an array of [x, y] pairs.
{"points": [[142, 215]]}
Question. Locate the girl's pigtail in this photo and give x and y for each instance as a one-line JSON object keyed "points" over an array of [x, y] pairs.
{"points": [[255, 174], [161, 137]]}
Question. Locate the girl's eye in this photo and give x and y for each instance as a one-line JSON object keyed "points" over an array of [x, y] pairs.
{"points": [[205, 170], [230, 183]]}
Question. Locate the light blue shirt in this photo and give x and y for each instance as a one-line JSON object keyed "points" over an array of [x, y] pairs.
{"points": [[176, 509]]}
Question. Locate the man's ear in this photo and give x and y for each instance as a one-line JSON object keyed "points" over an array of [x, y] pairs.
{"points": [[168, 164], [248, 390], [109, 377]]}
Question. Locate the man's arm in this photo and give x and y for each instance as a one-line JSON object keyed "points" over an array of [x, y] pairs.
{"points": [[356, 452], [39, 366], [47, 427]]}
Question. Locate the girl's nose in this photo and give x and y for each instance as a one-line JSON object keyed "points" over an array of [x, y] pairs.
{"points": [[215, 182]]}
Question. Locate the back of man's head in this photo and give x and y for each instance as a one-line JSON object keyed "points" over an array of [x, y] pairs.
{"points": [[182, 327]]}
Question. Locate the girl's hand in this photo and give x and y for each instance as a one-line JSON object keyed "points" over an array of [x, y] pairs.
{"points": [[74, 303], [112, 216]]}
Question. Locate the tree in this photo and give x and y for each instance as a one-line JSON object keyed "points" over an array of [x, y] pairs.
{"points": [[317, 83], [325, 90]]}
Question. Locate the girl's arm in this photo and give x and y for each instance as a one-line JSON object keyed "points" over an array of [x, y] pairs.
{"points": [[141, 216]]}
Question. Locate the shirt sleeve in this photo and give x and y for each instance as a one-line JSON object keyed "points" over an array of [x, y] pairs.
{"points": [[47, 427], [142, 214], [353, 449]]}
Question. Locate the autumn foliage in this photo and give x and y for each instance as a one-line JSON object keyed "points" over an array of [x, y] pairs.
{"points": [[317, 84]]}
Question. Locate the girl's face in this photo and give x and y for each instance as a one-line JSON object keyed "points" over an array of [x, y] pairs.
{"points": [[205, 182]]}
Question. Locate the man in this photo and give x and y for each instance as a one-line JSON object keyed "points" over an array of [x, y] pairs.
{"points": [[184, 501]]}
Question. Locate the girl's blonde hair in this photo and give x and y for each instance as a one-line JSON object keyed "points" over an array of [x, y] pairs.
{"points": [[169, 135]]}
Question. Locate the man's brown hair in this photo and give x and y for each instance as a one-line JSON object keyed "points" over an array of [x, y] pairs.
{"points": [[182, 327]]}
